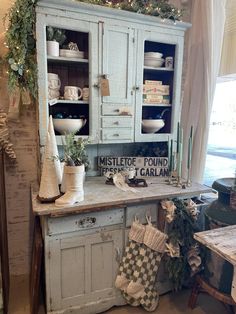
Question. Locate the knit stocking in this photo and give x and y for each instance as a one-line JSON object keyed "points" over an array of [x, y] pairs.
{"points": [[141, 287], [127, 264]]}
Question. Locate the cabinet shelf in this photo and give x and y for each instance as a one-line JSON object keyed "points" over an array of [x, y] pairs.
{"points": [[65, 59], [157, 105], [62, 101], [157, 69], [60, 139]]}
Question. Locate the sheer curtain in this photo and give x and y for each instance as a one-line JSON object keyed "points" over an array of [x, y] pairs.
{"points": [[204, 52]]}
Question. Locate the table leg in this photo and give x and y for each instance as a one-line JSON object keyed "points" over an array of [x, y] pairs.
{"points": [[194, 294]]}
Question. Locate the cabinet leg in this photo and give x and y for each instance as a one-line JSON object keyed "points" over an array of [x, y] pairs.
{"points": [[194, 294]]}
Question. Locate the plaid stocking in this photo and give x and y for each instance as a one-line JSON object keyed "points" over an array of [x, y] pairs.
{"points": [[127, 264], [142, 286]]}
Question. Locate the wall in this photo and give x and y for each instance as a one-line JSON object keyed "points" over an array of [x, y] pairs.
{"points": [[24, 136]]}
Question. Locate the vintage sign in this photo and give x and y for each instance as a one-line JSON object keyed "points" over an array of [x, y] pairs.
{"points": [[144, 166]]}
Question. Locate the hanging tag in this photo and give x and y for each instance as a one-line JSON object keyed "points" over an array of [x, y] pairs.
{"points": [[104, 84]]}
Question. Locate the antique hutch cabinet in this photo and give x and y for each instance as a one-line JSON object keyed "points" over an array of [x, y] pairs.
{"points": [[83, 246], [113, 43]]}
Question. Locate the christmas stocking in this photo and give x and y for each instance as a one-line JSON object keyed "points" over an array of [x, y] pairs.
{"points": [[127, 264], [142, 286]]}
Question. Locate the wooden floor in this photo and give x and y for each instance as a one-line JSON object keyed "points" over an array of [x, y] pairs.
{"points": [[171, 303]]}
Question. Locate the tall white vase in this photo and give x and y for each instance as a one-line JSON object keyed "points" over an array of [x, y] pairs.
{"points": [[74, 186]]}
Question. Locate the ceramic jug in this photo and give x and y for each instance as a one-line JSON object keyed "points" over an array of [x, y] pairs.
{"points": [[54, 81]]}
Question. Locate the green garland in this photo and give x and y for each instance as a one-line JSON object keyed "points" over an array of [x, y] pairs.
{"points": [[20, 40], [181, 233], [20, 36], [160, 8]]}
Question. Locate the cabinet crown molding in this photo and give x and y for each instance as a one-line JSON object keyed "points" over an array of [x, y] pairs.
{"points": [[87, 8]]}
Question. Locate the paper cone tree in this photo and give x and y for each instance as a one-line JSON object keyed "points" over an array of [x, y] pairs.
{"points": [[54, 151], [49, 190]]}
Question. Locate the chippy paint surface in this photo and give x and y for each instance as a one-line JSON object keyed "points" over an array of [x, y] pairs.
{"points": [[223, 242], [98, 196]]}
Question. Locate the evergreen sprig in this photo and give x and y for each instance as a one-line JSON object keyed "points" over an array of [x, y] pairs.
{"points": [[159, 8], [75, 151], [181, 232]]}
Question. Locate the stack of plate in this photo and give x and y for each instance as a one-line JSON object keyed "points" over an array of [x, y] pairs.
{"points": [[71, 53], [153, 59]]}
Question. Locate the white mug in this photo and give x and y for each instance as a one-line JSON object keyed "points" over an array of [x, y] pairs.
{"points": [[85, 93], [54, 81], [72, 93]]}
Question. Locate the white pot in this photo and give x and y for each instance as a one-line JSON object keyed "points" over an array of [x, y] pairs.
{"points": [[52, 48]]}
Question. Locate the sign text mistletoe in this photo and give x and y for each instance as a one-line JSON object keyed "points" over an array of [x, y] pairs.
{"points": [[144, 166]]}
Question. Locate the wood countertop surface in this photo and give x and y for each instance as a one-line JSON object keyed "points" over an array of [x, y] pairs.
{"points": [[221, 241], [100, 196]]}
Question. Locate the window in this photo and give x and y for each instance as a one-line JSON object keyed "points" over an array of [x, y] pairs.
{"points": [[221, 154]]}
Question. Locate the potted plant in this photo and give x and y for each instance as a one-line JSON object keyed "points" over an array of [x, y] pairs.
{"points": [[55, 38], [75, 163]]}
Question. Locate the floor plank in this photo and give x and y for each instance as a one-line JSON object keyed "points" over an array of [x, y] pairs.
{"points": [[171, 303]]}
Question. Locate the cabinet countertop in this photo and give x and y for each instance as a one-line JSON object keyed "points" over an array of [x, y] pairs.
{"points": [[100, 196]]}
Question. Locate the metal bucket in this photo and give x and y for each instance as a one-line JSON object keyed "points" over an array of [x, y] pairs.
{"points": [[220, 214]]}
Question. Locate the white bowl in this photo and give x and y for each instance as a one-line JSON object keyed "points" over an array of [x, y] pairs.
{"points": [[153, 62], [152, 125], [66, 126], [153, 54], [71, 53]]}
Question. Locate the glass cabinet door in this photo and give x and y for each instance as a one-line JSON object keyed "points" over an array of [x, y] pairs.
{"points": [[159, 82], [66, 80]]}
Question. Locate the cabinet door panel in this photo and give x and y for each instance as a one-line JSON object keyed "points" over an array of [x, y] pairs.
{"points": [[101, 266], [118, 62], [83, 268], [73, 264]]}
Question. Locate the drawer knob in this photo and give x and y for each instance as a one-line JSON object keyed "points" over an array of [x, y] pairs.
{"points": [[116, 135], [116, 122], [86, 222]]}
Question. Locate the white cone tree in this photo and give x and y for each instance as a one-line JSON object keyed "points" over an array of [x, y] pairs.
{"points": [[51, 170]]}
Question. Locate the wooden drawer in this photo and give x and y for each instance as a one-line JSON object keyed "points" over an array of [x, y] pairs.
{"points": [[140, 211], [85, 221], [116, 110], [117, 122], [116, 134]]}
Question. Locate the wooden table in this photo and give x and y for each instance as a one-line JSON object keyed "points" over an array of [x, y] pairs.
{"points": [[222, 241]]}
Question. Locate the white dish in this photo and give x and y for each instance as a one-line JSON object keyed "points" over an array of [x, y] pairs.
{"points": [[71, 53], [152, 125], [66, 126], [152, 62], [153, 54]]}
